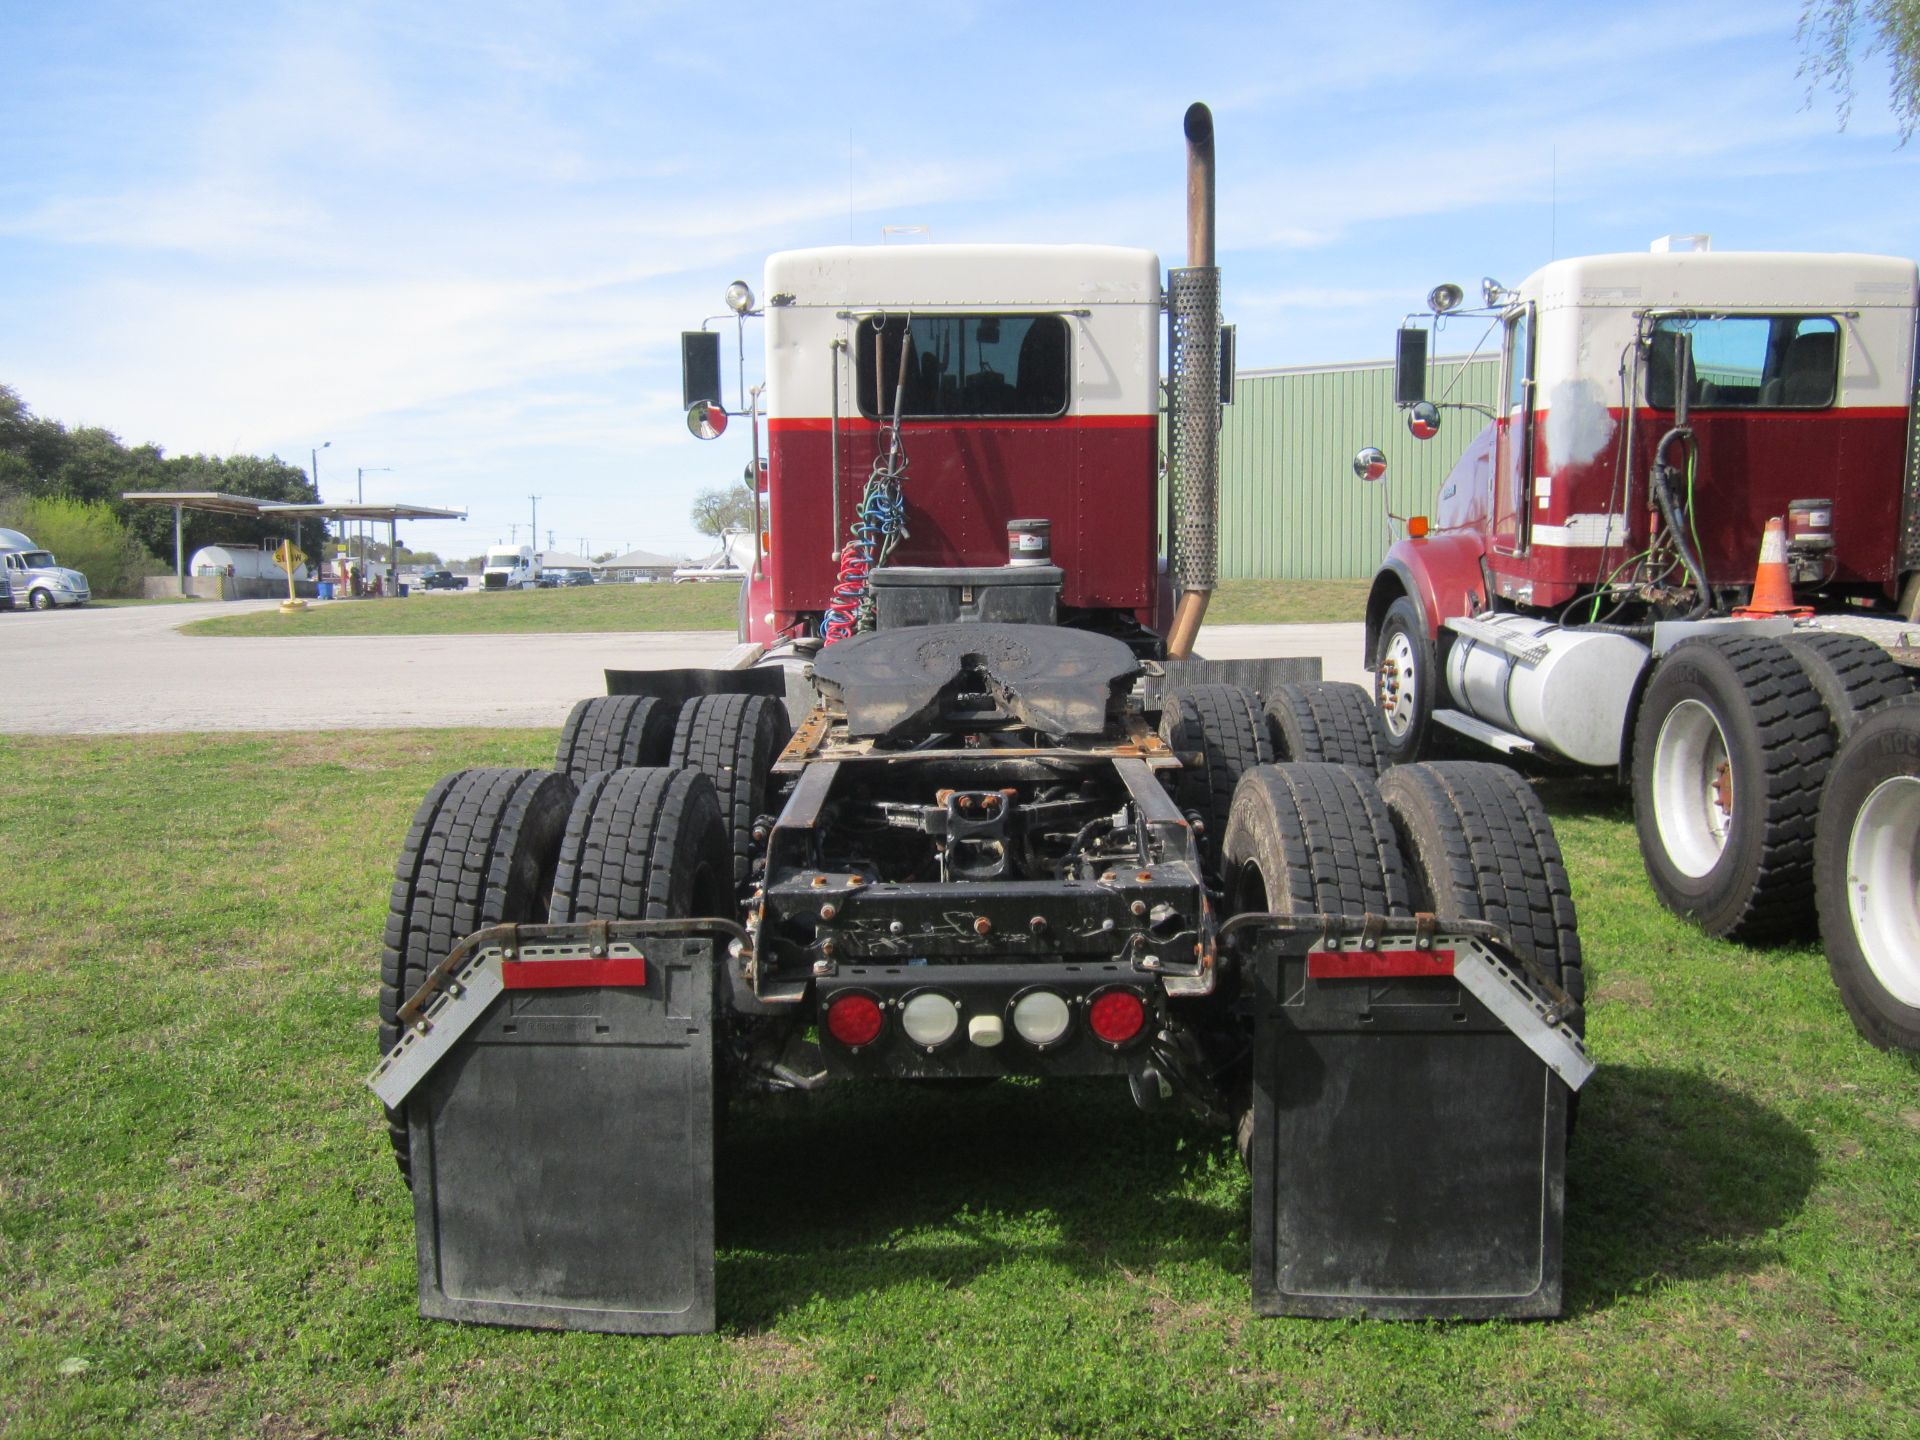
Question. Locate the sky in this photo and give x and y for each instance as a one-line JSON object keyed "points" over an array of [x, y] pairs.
{"points": [[459, 241]]}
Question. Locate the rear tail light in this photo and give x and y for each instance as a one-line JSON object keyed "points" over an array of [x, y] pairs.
{"points": [[930, 1019], [1116, 1015], [854, 1020], [1041, 1017]]}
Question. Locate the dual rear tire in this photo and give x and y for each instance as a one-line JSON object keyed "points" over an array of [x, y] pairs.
{"points": [[620, 842], [1460, 839], [1867, 875]]}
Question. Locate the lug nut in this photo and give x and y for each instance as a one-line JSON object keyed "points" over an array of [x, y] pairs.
{"points": [[896, 928], [827, 912], [1139, 907], [982, 925]]}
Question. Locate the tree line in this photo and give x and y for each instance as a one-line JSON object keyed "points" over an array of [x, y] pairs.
{"points": [[62, 487]]}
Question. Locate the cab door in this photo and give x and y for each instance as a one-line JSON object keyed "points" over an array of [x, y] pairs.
{"points": [[1513, 453]]}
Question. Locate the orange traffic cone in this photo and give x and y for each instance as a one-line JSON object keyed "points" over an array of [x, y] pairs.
{"points": [[1772, 586]]}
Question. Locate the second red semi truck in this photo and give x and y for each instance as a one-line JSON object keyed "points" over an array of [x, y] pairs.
{"points": [[1684, 545]]}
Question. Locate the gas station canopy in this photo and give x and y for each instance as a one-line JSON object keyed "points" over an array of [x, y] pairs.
{"points": [[223, 504]]}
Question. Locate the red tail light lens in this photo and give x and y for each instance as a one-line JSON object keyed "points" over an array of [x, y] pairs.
{"points": [[1116, 1016], [854, 1020]]}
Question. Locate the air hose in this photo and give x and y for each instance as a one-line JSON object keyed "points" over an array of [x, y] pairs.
{"points": [[879, 520]]}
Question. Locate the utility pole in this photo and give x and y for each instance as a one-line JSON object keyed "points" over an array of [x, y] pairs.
{"points": [[361, 527], [550, 544], [314, 455], [533, 530], [583, 549], [513, 533]]}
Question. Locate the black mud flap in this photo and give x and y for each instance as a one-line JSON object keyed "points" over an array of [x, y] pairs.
{"points": [[1409, 1151], [563, 1150]]}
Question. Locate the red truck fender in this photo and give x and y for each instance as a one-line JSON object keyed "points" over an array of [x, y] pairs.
{"points": [[1441, 572]]}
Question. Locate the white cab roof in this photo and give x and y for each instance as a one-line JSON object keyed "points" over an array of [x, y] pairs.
{"points": [[974, 276], [1751, 280]]}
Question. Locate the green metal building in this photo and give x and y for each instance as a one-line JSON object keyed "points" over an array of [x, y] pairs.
{"points": [[1290, 507]]}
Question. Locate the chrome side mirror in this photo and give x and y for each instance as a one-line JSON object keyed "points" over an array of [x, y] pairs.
{"points": [[1423, 420], [706, 420], [1371, 464]]}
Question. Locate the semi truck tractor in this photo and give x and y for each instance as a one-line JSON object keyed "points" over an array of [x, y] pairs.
{"points": [[1684, 546], [966, 806]]}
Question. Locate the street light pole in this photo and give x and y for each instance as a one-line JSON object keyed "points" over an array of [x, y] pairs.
{"points": [[360, 498], [313, 457], [533, 530]]}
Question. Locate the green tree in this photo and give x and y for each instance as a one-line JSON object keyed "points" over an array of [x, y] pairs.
{"points": [[84, 535], [717, 511], [1834, 34]]}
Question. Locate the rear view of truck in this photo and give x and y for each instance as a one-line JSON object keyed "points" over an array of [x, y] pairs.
{"points": [[965, 811]]}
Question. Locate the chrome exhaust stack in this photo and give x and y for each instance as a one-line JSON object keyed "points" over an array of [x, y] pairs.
{"points": [[1193, 369]]}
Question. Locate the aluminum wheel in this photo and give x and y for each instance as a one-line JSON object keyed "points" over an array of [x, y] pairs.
{"points": [[1692, 788], [1399, 683], [1883, 885]]}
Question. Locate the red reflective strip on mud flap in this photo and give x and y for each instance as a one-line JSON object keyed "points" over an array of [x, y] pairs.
{"points": [[1377, 964], [565, 974]]}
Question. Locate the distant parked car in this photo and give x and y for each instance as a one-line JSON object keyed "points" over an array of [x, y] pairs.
{"points": [[442, 580], [580, 577], [549, 580]]}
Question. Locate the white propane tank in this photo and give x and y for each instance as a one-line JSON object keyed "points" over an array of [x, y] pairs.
{"points": [[248, 562], [1565, 689]]}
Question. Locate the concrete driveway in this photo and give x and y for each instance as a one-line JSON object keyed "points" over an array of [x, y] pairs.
{"points": [[129, 670]]}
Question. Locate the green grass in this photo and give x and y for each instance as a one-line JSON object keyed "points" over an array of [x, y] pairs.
{"points": [[121, 604], [694, 607], [1287, 602], [587, 608], [201, 1232]]}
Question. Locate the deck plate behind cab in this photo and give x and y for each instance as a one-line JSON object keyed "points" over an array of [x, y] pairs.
{"points": [[897, 682]]}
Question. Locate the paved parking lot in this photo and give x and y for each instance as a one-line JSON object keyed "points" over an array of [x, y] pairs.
{"points": [[128, 669]]}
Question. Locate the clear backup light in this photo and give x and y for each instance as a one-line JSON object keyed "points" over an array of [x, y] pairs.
{"points": [[1041, 1017], [930, 1019]]}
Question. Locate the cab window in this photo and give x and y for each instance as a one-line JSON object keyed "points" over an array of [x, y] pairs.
{"points": [[963, 366], [1748, 362]]}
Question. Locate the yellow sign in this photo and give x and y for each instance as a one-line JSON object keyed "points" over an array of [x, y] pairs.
{"points": [[286, 557]]}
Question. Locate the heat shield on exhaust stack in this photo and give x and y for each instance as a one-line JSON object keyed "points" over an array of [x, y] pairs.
{"points": [[1193, 351]]}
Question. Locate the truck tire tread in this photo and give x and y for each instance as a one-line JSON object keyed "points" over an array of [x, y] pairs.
{"points": [[642, 844], [1309, 838], [1886, 747], [614, 732], [1853, 675], [1770, 704], [1225, 725], [481, 851], [1332, 721], [734, 740], [1480, 846]]}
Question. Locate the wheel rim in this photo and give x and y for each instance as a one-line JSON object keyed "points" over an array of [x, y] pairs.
{"points": [[1397, 684], [1693, 797], [1883, 885]]}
